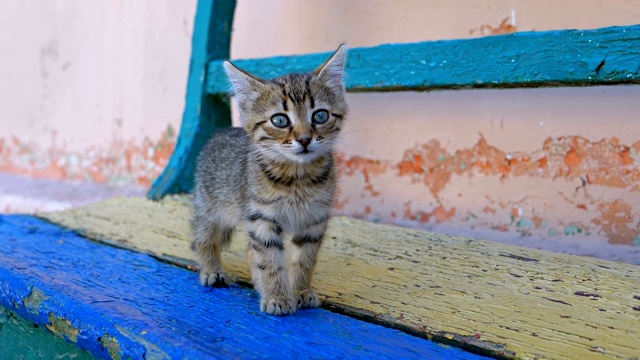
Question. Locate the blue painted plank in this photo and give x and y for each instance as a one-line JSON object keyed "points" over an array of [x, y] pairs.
{"points": [[203, 114], [551, 58], [114, 302]]}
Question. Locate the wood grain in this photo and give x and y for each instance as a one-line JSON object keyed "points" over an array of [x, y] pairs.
{"points": [[492, 298]]}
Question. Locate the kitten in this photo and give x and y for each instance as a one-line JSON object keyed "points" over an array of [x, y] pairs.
{"points": [[276, 175]]}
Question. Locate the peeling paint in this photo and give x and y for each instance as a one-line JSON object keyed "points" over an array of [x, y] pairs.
{"points": [[62, 327], [618, 221], [34, 300], [111, 344], [153, 352], [591, 165], [605, 162], [440, 214], [506, 26], [21, 338], [363, 167], [123, 162]]}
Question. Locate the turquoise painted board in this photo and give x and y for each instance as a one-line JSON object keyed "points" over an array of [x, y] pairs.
{"points": [[202, 114], [551, 58], [121, 304]]}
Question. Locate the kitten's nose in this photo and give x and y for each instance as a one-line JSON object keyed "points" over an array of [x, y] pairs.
{"points": [[305, 141]]}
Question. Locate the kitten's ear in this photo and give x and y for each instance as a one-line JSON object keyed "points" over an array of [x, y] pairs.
{"points": [[244, 84], [332, 70]]}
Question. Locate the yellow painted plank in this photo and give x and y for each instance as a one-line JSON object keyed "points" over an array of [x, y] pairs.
{"points": [[491, 297]]}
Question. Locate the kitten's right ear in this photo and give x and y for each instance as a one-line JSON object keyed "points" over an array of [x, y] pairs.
{"points": [[332, 71], [244, 84]]}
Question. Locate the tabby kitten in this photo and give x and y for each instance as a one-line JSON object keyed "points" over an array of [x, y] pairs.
{"points": [[276, 175]]}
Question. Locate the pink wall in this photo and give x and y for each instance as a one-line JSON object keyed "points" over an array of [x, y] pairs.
{"points": [[95, 90], [544, 162], [92, 89]]}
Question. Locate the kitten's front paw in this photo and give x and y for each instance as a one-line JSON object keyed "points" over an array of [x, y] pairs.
{"points": [[308, 299], [215, 278], [277, 305]]}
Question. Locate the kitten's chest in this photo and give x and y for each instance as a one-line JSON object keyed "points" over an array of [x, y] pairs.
{"points": [[298, 197], [295, 214]]}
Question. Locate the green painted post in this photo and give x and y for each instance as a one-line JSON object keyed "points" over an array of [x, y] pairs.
{"points": [[203, 113]]}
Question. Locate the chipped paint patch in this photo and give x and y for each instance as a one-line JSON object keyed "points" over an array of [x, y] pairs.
{"points": [[34, 300], [618, 220], [366, 168], [123, 162], [152, 350], [593, 166], [62, 327], [439, 214], [506, 26], [111, 344]]}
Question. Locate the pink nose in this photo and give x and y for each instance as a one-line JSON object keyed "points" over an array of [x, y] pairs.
{"points": [[305, 141]]}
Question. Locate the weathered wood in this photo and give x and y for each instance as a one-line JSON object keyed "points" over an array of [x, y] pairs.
{"points": [[501, 299], [551, 58], [203, 114], [120, 304]]}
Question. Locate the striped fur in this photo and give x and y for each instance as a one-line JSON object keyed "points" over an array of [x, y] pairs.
{"points": [[277, 176]]}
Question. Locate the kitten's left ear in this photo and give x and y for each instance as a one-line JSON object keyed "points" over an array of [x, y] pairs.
{"points": [[243, 83], [333, 69]]}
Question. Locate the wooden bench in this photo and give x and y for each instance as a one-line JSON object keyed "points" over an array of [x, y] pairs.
{"points": [[488, 298]]}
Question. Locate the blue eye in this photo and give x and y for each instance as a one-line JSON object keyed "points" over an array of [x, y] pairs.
{"points": [[320, 116], [280, 120]]}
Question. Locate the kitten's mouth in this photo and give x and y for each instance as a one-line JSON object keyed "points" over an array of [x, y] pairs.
{"points": [[304, 155]]}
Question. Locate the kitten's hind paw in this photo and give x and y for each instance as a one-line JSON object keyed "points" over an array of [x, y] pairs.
{"points": [[277, 305], [215, 278], [308, 299]]}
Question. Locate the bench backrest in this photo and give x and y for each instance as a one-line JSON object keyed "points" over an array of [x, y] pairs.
{"points": [[606, 56]]}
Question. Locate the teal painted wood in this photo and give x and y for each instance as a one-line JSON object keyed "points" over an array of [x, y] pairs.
{"points": [[552, 58], [24, 340], [203, 114]]}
